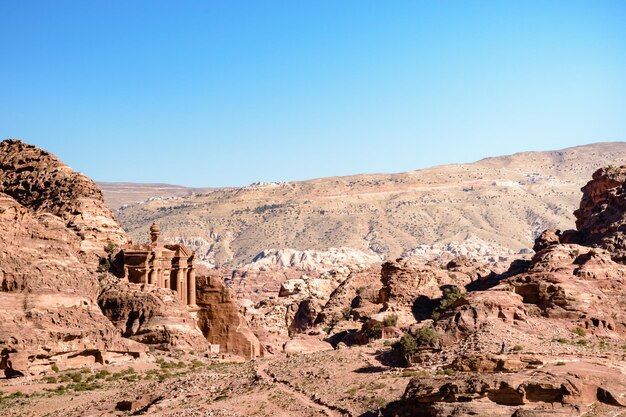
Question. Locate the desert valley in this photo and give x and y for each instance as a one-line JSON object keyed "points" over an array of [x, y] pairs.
{"points": [[495, 288]]}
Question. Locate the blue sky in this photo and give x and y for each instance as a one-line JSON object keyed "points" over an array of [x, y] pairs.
{"points": [[215, 93]]}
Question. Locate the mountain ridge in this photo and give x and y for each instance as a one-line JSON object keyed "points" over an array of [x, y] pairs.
{"points": [[502, 201]]}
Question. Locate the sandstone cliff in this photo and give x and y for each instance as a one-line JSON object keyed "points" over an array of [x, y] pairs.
{"points": [[48, 297], [151, 315], [55, 233], [42, 183]]}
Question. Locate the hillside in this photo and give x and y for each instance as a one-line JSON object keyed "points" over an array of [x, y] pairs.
{"points": [[118, 194], [491, 207]]}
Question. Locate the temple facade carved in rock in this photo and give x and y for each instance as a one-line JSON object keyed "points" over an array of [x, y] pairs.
{"points": [[166, 266]]}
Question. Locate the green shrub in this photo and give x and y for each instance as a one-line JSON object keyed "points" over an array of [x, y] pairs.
{"points": [[449, 297], [580, 331], [55, 368], [446, 371], [102, 374], [265, 207], [103, 265], [390, 320], [82, 386], [409, 344], [375, 332], [110, 248], [64, 378], [405, 347], [517, 348], [346, 313], [426, 335]]}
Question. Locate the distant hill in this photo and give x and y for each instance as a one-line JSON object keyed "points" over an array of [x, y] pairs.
{"points": [[118, 194], [489, 207]]}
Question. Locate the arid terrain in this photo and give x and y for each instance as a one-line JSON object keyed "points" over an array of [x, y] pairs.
{"points": [[493, 207], [337, 330]]}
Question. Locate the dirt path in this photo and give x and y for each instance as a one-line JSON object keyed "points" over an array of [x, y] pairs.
{"points": [[263, 373]]}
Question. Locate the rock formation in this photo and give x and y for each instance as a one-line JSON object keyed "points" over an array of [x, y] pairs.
{"points": [[601, 216], [48, 297], [567, 302], [57, 243], [220, 321], [566, 390], [151, 315], [39, 181]]}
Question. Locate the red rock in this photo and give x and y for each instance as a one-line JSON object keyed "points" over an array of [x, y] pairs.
{"points": [[220, 320]]}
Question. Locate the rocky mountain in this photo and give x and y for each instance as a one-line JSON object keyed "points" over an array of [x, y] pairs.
{"points": [[487, 209], [62, 305], [54, 225]]}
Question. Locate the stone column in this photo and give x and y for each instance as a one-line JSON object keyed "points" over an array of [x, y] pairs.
{"points": [[159, 282], [191, 287], [176, 281], [151, 274], [183, 286]]}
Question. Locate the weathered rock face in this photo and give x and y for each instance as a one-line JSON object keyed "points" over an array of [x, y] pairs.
{"points": [[410, 287], [568, 302], [602, 213], [48, 297], [41, 182], [358, 294], [220, 321], [555, 391], [151, 315]]}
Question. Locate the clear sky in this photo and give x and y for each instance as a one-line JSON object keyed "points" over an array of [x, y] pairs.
{"points": [[214, 93]]}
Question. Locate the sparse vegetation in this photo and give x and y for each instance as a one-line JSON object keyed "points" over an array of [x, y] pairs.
{"points": [[111, 248], [390, 320], [449, 297], [103, 265], [409, 344], [265, 207], [375, 331], [580, 331], [445, 371]]}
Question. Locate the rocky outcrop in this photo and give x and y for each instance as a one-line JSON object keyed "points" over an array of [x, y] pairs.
{"points": [[411, 288], [310, 260], [151, 315], [555, 391], [568, 302], [42, 183], [601, 216], [220, 320], [48, 298], [357, 293]]}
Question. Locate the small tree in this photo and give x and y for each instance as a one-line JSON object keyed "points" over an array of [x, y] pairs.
{"points": [[409, 344], [375, 331], [449, 297], [405, 347]]}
